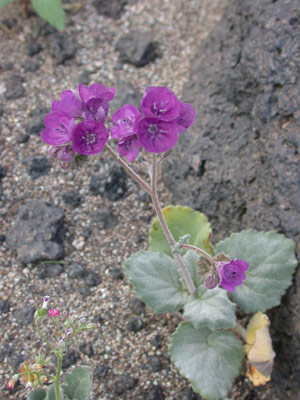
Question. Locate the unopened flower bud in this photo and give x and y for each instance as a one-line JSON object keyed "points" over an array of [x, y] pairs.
{"points": [[82, 320], [68, 333], [28, 387], [211, 279], [90, 326], [203, 266]]}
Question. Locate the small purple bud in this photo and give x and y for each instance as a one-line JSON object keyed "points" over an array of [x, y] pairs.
{"points": [[211, 279], [82, 320], [47, 299]]}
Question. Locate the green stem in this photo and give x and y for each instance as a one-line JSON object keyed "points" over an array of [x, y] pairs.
{"points": [[56, 378], [43, 337]]}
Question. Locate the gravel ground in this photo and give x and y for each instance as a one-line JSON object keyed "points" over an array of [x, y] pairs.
{"points": [[178, 26]]}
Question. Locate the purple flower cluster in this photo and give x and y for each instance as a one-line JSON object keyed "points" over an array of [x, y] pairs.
{"points": [[156, 129], [232, 273], [76, 123]]}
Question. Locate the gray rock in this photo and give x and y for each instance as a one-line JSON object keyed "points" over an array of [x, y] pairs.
{"points": [[37, 233], [104, 218], [110, 8], [137, 48], [126, 94], [70, 359], [100, 371], [137, 306], [33, 48], [2, 173], [36, 121], [155, 393], [155, 364], [61, 47], [24, 315], [116, 273], [135, 325], [92, 278], [72, 198], [51, 271], [14, 87], [111, 185], [87, 349], [239, 164], [38, 166], [30, 66], [4, 306], [189, 394], [76, 271], [124, 383]]}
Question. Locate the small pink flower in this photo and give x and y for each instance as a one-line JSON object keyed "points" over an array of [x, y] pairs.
{"points": [[54, 313]]}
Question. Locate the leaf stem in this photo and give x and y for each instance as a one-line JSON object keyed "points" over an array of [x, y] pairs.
{"points": [[197, 250]]}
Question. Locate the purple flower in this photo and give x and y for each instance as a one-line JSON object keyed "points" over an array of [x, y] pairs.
{"points": [[89, 137], [160, 102], [95, 109], [125, 121], [157, 136], [232, 273], [59, 128], [186, 117], [70, 104], [95, 91], [129, 147]]}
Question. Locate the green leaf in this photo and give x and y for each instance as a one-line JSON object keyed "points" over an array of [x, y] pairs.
{"points": [[51, 393], [210, 309], [52, 11], [38, 394], [78, 384], [272, 261], [181, 221], [4, 3], [210, 360], [156, 280]]}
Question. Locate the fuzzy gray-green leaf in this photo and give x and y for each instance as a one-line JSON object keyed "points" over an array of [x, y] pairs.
{"points": [[38, 394], [78, 384], [156, 280], [272, 261], [52, 11], [210, 360], [210, 308]]}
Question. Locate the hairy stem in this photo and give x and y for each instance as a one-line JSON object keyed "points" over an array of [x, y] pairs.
{"points": [[197, 250], [156, 204], [152, 191]]}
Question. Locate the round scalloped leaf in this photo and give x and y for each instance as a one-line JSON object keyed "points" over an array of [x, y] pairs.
{"points": [[78, 384], [181, 221], [272, 261], [157, 281], [4, 3], [38, 394], [210, 360], [51, 11], [210, 309]]}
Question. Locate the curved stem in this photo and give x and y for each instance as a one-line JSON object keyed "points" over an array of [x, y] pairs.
{"points": [[128, 169], [199, 251], [43, 337], [178, 258]]}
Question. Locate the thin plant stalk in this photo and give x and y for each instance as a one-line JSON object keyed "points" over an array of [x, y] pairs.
{"points": [[152, 191], [56, 378]]}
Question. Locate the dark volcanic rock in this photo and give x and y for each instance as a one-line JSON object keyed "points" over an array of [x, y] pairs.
{"points": [[135, 325], [126, 94], [116, 273], [155, 393], [189, 394], [72, 198], [61, 47], [104, 218], [4, 306], [38, 166], [51, 271], [37, 233], [14, 87], [239, 164], [33, 48], [100, 371], [70, 359], [137, 306], [155, 363], [111, 185], [110, 8], [76, 271], [123, 383], [87, 349], [36, 122], [137, 48], [24, 315], [92, 278], [2, 173]]}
